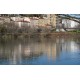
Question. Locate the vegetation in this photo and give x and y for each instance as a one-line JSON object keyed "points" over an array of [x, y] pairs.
{"points": [[26, 15], [3, 29], [11, 28], [76, 31]]}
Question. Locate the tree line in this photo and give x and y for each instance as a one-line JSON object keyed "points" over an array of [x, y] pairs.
{"points": [[26, 15]]}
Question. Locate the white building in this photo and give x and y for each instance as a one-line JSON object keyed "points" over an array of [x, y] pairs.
{"points": [[69, 23]]}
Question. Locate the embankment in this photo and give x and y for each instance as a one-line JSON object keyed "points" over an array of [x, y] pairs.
{"points": [[37, 35]]}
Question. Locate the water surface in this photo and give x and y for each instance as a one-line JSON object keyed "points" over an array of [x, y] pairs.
{"points": [[40, 51]]}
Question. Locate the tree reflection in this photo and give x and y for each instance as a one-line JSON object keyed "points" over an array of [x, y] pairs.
{"points": [[32, 50]]}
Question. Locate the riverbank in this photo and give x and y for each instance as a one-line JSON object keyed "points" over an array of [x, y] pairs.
{"points": [[38, 35]]}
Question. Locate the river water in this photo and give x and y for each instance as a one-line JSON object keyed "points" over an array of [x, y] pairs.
{"points": [[40, 51]]}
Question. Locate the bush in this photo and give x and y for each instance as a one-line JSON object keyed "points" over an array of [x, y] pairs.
{"points": [[3, 29]]}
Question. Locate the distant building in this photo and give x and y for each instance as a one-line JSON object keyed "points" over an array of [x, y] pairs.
{"points": [[62, 24], [48, 21], [69, 23]]}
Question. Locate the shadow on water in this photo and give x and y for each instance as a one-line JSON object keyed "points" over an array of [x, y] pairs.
{"points": [[40, 51]]}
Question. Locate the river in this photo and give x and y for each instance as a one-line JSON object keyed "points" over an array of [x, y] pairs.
{"points": [[40, 51]]}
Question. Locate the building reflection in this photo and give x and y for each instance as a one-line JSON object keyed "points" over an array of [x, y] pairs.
{"points": [[67, 45], [15, 51]]}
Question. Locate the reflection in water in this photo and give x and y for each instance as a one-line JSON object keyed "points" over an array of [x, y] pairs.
{"points": [[40, 51]]}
